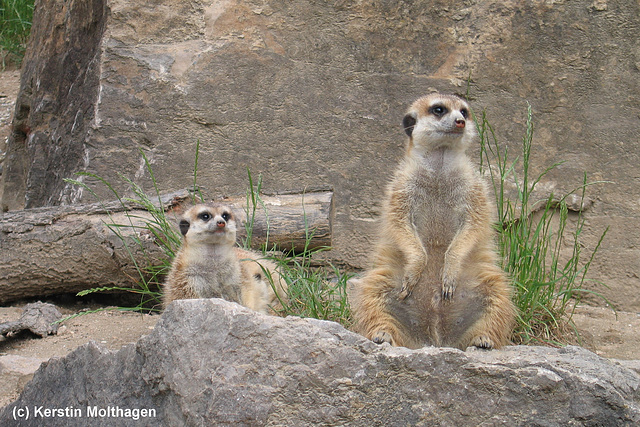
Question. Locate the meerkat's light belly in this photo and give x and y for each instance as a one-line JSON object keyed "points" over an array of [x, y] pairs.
{"points": [[436, 233], [216, 281], [436, 221], [430, 319]]}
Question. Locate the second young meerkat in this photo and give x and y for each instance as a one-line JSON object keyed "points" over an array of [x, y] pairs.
{"points": [[435, 279], [208, 265]]}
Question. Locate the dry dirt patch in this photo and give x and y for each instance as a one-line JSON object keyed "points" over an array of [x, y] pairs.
{"points": [[609, 334], [20, 355]]}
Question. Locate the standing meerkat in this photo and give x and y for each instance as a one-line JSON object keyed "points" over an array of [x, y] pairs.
{"points": [[208, 265], [435, 279]]}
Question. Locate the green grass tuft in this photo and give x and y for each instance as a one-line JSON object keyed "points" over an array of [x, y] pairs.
{"points": [[15, 26], [534, 241], [314, 291]]}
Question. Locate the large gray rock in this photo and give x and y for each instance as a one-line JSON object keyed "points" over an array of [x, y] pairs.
{"points": [[211, 362], [312, 93]]}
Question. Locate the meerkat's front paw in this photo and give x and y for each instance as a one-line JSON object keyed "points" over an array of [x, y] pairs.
{"points": [[381, 337], [483, 342], [448, 286]]}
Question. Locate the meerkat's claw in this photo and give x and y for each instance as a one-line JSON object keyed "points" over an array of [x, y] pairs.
{"points": [[447, 291], [483, 342], [408, 283], [448, 287], [404, 293], [381, 337]]}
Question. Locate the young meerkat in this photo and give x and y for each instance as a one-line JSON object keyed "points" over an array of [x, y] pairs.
{"points": [[435, 279], [208, 265]]}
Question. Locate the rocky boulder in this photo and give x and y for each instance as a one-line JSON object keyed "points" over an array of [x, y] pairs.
{"points": [[213, 362]]}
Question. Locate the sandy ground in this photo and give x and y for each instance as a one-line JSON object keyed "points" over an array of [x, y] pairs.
{"points": [[111, 328], [20, 355], [606, 333]]}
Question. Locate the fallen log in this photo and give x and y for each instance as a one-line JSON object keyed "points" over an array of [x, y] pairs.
{"points": [[67, 249]]}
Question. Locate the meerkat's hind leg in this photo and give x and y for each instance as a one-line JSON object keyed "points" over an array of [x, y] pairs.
{"points": [[493, 329], [369, 302]]}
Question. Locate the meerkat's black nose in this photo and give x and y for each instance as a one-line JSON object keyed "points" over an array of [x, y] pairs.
{"points": [[221, 224], [460, 123]]}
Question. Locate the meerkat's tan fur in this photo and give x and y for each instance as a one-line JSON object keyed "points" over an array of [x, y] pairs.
{"points": [[208, 265], [435, 279]]}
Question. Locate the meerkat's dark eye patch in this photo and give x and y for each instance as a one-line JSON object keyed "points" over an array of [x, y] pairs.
{"points": [[184, 227], [226, 216], [257, 276], [205, 216], [465, 113], [438, 110], [408, 122]]}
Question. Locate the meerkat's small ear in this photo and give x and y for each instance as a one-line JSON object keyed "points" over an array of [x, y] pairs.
{"points": [[184, 226], [408, 122]]}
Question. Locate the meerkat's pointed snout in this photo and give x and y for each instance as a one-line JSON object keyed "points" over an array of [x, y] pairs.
{"points": [[435, 121]]}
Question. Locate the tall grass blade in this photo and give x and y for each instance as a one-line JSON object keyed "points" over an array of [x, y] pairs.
{"points": [[548, 280]]}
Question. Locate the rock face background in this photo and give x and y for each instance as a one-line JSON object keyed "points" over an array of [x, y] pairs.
{"points": [[214, 362], [311, 93]]}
